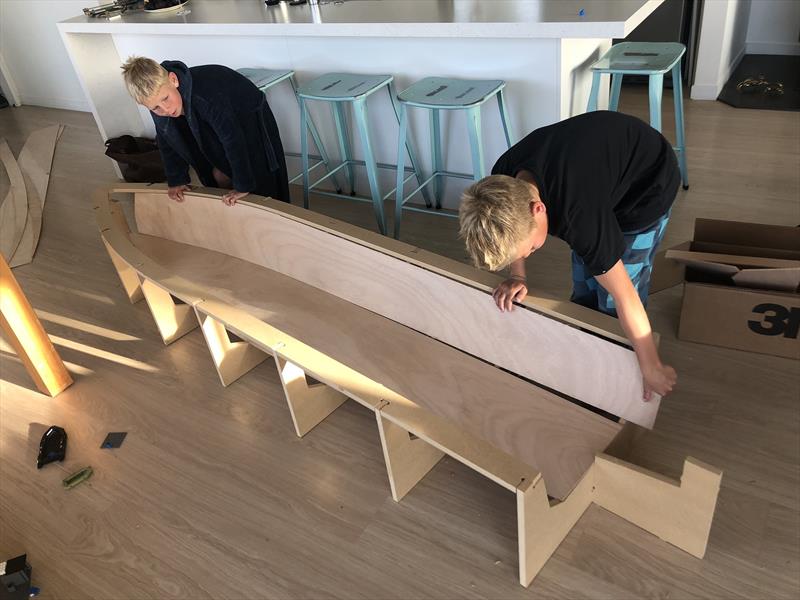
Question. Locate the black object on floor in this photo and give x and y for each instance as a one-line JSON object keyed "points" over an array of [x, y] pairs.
{"points": [[52, 447], [3, 101], [764, 81], [15, 578], [114, 439]]}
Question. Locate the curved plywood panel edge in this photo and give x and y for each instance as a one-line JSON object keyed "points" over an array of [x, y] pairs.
{"points": [[14, 210], [35, 162], [115, 232], [568, 312], [33, 226], [553, 354]]}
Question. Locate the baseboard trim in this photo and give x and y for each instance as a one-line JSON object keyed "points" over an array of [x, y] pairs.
{"points": [[781, 48], [50, 102]]}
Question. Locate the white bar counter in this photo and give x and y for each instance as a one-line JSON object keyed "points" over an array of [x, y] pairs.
{"points": [[542, 48]]}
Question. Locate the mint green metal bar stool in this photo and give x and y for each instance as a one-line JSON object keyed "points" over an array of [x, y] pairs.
{"points": [[652, 59], [267, 78], [442, 93], [340, 89]]}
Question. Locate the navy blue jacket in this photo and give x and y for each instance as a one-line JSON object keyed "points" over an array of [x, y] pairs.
{"points": [[230, 127]]}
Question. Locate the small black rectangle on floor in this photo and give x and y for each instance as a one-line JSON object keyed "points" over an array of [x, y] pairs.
{"points": [[114, 439]]}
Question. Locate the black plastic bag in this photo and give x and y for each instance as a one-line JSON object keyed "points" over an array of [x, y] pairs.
{"points": [[138, 159]]}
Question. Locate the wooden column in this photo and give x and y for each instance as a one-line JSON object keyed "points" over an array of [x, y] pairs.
{"points": [[26, 334]]}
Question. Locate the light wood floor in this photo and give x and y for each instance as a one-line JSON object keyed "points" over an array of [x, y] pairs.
{"points": [[212, 495]]}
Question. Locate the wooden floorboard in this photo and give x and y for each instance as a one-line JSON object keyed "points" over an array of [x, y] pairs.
{"points": [[213, 496]]}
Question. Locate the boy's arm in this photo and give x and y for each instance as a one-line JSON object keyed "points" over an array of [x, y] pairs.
{"points": [[513, 289], [657, 377]]}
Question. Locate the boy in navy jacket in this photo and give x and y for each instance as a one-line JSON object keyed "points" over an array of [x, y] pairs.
{"points": [[214, 119]]}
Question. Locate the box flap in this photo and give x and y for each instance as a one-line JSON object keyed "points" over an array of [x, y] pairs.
{"points": [[735, 250], [738, 233], [786, 280], [667, 273], [711, 268], [732, 259]]}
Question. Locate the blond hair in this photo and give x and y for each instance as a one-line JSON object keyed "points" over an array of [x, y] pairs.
{"points": [[143, 77], [495, 218]]}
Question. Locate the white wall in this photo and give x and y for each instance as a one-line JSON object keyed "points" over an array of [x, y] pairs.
{"points": [[32, 55], [774, 27], [723, 34]]}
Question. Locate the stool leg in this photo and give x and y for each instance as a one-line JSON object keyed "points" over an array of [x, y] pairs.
{"points": [[401, 158], [592, 106], [304, 149], [436, 156], [474, 128], [409, 146], [616, 87], [677, 92], [360, 109], [317, 140], [501, 104], [656, 90], [344, 143]]}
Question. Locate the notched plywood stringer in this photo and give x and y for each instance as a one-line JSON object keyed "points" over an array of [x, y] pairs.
{"points": [[308, 404], [231, 359], [678, 512], [408, 458], [127, 275], [173, 320]]}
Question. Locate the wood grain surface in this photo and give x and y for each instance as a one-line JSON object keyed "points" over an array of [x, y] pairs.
{"points": [[537, 427], [217, 476], [556, 355]]}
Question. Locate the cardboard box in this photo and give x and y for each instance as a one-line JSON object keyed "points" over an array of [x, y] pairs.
{"points": [[741, 286]]}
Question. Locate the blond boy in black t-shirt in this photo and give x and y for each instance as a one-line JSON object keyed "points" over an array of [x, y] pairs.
{"points": [[604, 182]]}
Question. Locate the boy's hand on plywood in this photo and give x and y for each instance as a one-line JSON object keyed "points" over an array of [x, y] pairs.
{"points": [[508, 292], [176, 192], [230, 198], [658, 379]]}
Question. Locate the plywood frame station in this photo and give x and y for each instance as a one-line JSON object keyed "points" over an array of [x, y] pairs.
{"points": [[348, 314]]}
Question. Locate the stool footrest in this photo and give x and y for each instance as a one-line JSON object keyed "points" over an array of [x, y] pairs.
{"points": [[442, 212], [428, 181], [310, 168], [359, 163]]}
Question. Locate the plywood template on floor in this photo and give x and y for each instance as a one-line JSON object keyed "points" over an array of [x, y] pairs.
{"points": [[14, 210], [35, 162], [559, 356]]}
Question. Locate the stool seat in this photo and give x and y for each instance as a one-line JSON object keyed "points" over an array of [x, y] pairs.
{"points": [[653, 59], [447, 93], [265, 78], [340, 91], [640, 58], [342, 87]]}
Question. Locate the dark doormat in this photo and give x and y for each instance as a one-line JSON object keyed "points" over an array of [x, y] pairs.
{"points": [[764, 81]]}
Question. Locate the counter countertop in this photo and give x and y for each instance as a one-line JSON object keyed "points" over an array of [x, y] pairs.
{"points": [[384, 18]]}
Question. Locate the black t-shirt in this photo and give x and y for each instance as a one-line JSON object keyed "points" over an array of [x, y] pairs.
{"points": [[599, 174]]}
